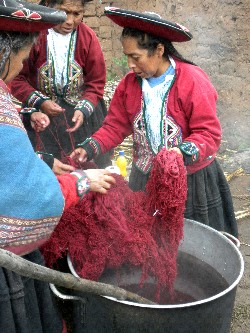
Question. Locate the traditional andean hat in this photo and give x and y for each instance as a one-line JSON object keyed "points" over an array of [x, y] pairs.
{"points": [[150, 23], [28, 17]]}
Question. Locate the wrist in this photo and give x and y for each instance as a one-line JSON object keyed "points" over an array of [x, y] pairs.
{"points": [[189, 151], [47, 158], [28, 111], [91, 147], [82, 183], [36, 99], [86, 107]]}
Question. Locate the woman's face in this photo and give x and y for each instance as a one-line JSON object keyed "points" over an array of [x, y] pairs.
{"points": [[140, 62], [15, 63], [74, 10]]}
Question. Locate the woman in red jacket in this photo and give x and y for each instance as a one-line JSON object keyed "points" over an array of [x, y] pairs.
{"points": [[64, 77], [166, 101]]}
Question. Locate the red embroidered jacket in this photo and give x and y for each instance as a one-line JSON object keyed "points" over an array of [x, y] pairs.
{"points": [[86, 73], [192, 105]]}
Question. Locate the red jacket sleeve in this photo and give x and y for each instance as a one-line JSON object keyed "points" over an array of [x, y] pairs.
{"points": [[118, 123], [69, 191], [91, 57], [74, 186], [192, 102]]}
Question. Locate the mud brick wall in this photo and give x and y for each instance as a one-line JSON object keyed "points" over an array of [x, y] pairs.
{"points": [[220, 45]]}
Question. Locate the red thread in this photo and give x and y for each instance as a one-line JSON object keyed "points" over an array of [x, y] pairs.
{"points": [[64, 157], [108, 231]]}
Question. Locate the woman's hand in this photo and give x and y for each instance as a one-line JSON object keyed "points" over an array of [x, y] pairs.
{"points": [[39, 121], [100, 180], [78, 120], [60, 168], [177, 150], [51, 108], [79, 156]]}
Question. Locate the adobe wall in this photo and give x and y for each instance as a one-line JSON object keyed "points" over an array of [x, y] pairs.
{"points": [[220, 45]]}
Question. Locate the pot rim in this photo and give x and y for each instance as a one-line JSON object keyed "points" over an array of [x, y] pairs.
{"points": [[190, 304]]}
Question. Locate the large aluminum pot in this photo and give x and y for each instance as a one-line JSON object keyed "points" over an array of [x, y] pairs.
{"points": [[210, 267]]}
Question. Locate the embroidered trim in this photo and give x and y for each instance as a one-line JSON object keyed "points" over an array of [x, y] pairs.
{"points": [[163, 127], [173, 132], [40, 154], [16, 232], [143, 155], [35, 98], [85, 106], [9, 120], [91, 146], [72, 91], [8, 112], [82, 183], [27, 14], [28, 111], [190, 149], [171, 135]]}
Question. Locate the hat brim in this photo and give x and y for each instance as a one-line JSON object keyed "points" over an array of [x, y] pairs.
{"points": [[28, 17], [148, 23]]}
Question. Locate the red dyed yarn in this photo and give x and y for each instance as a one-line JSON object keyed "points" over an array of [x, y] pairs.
{"points": [[108, 231]]}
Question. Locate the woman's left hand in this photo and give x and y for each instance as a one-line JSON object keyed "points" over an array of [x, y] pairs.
{"points": [[60, 168], [177, 150], [39, 121], [78, 120], [101, 180]]}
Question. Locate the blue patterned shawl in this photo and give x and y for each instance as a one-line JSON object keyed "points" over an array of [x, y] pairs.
{"points": [[31, 201]]}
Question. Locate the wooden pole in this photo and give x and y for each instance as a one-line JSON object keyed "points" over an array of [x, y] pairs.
{"points": [[29, 269]]}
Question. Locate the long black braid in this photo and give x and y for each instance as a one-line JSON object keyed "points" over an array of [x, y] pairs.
{"points": [[5, 50], [150, 43]]}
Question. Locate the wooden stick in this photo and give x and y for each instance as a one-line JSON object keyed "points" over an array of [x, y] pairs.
{"points": [[26, 268]]}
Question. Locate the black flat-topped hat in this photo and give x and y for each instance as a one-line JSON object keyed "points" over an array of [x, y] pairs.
{"points": [[28, 17], [150, 23]]}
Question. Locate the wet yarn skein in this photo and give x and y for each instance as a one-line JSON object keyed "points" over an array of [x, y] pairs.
{"points": [[139, 229]]}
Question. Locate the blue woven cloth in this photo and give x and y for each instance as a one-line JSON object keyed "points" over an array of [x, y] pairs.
{"points": [[31, 201]]}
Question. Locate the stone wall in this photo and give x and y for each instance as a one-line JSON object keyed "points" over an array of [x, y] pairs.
{"points": [[220, 45]]}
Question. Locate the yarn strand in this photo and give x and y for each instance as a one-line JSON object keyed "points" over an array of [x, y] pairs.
{"points": [[136, 229]]}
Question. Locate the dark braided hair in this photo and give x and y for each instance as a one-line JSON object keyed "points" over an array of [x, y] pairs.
{"points": [[13, 41], [150, 43]]}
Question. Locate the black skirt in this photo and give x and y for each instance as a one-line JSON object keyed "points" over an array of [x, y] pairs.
{"points": [[56, 141], [27, 305], [209, 199]]}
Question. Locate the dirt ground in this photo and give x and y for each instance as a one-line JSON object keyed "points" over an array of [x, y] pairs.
{"points": [[240, 188]]}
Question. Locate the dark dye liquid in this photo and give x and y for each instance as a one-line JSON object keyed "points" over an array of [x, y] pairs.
{"points": [[196, 280]]}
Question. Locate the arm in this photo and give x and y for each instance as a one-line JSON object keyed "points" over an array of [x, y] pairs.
{"points": [[90, 56], [79, 182], [24, 91], [195, 106], [116, 126], [24, 86], [57, 166]]}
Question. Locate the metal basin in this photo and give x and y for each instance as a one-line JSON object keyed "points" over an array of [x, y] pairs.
{"points": [[210, 267]]}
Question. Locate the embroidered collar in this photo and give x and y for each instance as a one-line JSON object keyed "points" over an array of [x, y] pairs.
{"points": [[154, 107]]}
